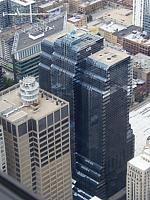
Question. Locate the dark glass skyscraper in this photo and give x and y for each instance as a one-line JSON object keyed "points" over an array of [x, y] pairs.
{"points": [[58, 65], [97, 83], [103, 134]]}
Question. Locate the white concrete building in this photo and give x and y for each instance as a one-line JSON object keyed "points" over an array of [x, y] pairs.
{"points": [[138, 175], [3, 164]]}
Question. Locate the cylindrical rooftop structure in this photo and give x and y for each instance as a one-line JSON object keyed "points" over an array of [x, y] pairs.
{"points": [[29, 90]]}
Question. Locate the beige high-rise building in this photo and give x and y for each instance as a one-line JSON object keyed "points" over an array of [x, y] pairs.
{"points": [[37, 137]]}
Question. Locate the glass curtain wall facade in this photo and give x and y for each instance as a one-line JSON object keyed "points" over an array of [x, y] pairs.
{"points": [[58, 67], [103, 133], [99, 97], [5, 21]]}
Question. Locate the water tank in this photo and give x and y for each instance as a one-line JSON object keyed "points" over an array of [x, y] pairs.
{"points": [[29, 91]]}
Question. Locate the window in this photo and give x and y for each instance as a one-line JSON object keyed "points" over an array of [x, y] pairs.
{"points": [[43, 164], [22, 129], [57, 125], [34, 127], [42, 133], [30, 125], [43, 149], [43, 144], [50, 120], [44, 159], [42, 139], [51, 135], [65, 137], [4, 124], [42, 124], [9, 127], [57, 136], [64, 112], [64, 121], [13, 129], [58, 156], [57, 116], [50, 129]]}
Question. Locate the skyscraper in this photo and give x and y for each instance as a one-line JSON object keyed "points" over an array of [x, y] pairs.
{"points": [[98, 86], [138, 175], [146, 16], [102, 88], [138, 12], [4, 20], [37, 136], [28, 6], [141, 14], [59, 63]]}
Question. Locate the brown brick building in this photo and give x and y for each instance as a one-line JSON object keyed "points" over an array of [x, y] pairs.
{"points": [[136, 42]]}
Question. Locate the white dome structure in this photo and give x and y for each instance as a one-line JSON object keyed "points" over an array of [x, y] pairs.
{"points": [[29, 91]]}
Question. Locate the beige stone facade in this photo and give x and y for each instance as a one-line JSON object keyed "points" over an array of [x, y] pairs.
{"points": [[38, 143]]}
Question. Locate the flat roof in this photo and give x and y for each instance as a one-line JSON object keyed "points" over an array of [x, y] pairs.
{"points": [[24, 41], [119, 15], [24, 2], [111, 27], [140, 123], [109, 56], [46, 4], [47, 104], [138, 37], [74, 19], [87, 3], [126, 31], [140, 163]]}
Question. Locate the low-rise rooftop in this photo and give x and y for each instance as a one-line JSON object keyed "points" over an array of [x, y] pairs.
{"points": [[120, 15], [128, 30], [110, 26], [76, 18], [138, 37]]}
